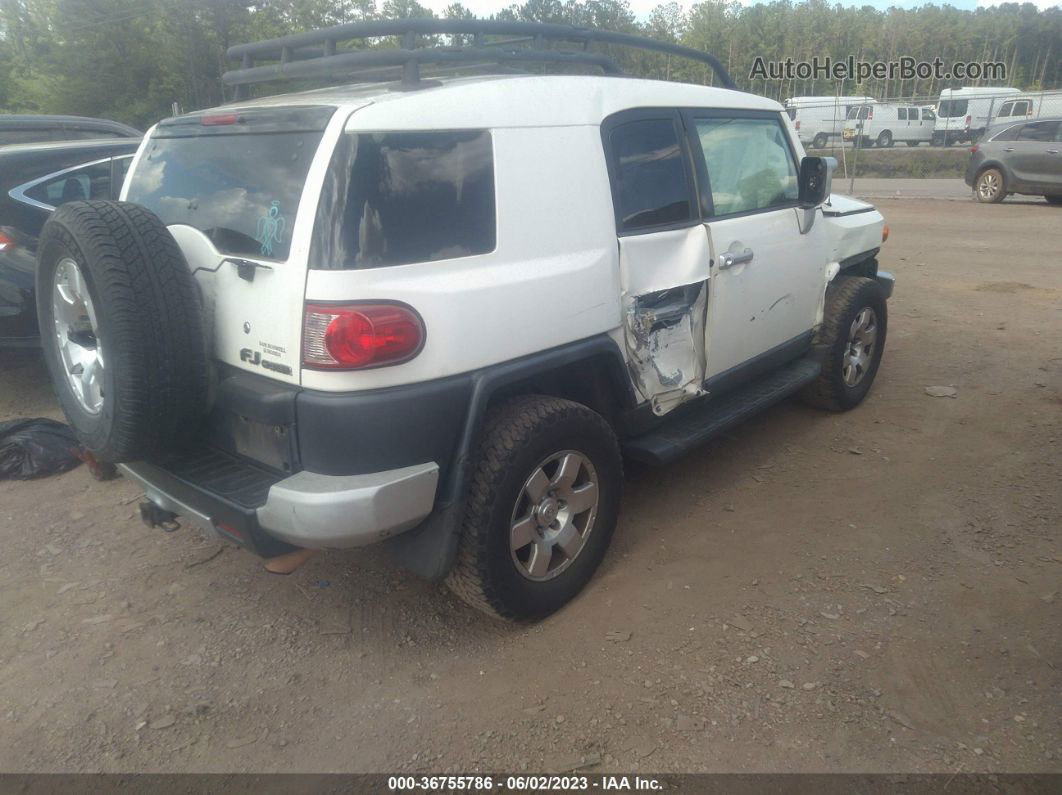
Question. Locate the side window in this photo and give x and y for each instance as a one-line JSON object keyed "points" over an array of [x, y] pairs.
{"points": [[651, 183], [406, 197], [1020, 109], [1009, 134], [1006, 109], [85, 182], [928, 114], [1039, 131], [749, 163], [901, 114]]}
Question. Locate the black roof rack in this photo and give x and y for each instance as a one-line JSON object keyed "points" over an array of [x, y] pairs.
{"points": [[316, 54]]}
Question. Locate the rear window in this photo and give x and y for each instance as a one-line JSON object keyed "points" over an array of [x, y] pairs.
{"points": [[239, 187], [397, 198]]}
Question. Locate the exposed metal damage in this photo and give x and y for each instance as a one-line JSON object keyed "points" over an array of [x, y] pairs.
{"points": [[665, 332]]}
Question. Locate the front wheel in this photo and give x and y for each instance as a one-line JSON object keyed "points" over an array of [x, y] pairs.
{"points": [[885, 139], [849, 343], [819, 141], [541, 510]]}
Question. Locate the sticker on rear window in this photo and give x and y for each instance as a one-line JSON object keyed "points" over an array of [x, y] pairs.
{"points": [[271, 229]]}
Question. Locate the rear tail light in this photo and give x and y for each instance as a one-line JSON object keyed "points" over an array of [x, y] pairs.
{"points": [[797, 124], [968, 121], [219, 119], [974, 148], [6, 243], [870, 113], [354, 336]]}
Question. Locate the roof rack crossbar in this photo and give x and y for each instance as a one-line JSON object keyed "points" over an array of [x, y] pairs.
{"points": [[294, 61]]}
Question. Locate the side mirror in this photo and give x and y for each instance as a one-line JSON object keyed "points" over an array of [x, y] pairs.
{"points": [[816, 176]]}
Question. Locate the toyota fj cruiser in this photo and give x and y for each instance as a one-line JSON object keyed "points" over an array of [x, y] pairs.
{"points": [[439, 314]]}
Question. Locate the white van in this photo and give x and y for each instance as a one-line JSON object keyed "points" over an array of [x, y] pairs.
{"points": [[1031, 105], [818, 119], [964, 113], [884, 123]]}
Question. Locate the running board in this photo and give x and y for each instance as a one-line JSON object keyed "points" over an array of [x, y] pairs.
{"points": [[697, 425]]}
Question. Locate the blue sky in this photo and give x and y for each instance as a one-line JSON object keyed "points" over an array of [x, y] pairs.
{"points": [[643, 7]]}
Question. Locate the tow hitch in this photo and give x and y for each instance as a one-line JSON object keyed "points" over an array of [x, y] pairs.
{"points": [[154, 516]]}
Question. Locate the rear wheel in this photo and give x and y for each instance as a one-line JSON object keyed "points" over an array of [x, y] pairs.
{"points": [[989, 187], [850, 343], [885, 139], [819, 141], [542, 506]]}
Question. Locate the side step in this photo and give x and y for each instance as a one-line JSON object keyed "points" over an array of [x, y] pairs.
{"points": [[695, 426]]}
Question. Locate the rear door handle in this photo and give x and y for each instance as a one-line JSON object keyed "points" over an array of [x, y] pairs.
{"points": [[1052, 151], [728, 260], [1009, 149]]}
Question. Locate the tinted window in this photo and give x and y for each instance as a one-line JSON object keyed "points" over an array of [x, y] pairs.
{"points": [[749, 162], [1038, 131], [88, 182], [1007, 108], [26, 135], [1010, 134], [950, 108], [901, 114], [240, 190], [652, 187], [859, 112], [406, 197]]}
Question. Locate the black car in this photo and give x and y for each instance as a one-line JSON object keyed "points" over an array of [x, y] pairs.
{"points": [[34, 180], [26, 129], [1025, 157]]}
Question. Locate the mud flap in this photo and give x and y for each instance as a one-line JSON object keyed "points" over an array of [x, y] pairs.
{"points": [[665, 332]]}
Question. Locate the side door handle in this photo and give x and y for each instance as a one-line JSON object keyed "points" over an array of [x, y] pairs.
{"points": [[1052, 151], [1009, 149], [728, 260]]}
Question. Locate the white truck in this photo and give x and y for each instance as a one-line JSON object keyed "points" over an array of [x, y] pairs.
{"points": [[818, 120], [439, 314], [963, 114], [1028, 106]]}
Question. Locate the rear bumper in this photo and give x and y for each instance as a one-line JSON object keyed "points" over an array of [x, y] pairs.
{"points": [[303, 510]]}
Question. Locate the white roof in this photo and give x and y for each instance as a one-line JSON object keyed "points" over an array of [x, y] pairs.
{"points": [[514, 101]]}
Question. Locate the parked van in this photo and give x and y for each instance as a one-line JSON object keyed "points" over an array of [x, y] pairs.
{"points": [[818, 119], [884, 123], [1027, 106], [964, 113]]}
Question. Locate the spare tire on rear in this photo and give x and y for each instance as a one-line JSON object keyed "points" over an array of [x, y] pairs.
{"points": [[121, 327]]}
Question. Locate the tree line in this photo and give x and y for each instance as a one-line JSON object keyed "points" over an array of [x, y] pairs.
{"points": [[131, 60]]}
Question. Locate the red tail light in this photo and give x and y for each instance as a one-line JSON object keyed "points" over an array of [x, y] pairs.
{"points": [[219, 119], [796, 124], [6, 243], [870, 113], [974, 148], [354, 336]]}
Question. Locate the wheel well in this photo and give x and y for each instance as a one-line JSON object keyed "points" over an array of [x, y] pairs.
{"points": [[991, 164], [593, 382]]}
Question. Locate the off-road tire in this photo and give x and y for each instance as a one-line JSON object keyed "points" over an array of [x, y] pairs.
{"points": [[516, 436], [819, 141], [150, 325], [884, 140], [846, 297]]}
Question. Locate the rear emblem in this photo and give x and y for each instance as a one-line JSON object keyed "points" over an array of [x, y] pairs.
{"points": [[246, 327]]}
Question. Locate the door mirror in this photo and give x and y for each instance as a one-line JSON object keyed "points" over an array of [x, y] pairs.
{"points": [[816, 174]]}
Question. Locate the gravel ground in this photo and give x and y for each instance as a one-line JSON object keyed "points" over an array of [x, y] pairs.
{"points": [[874, 591]]}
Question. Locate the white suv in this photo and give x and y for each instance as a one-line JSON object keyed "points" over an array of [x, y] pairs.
{"points": [[440, 317]]}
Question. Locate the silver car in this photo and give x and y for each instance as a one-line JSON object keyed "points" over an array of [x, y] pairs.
{"points": [[1021, 157]]}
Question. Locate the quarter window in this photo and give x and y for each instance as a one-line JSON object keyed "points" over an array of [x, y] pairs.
{"points": [[749, 162], [406, 197], [87, 182], [651, 182], [901, 114]]}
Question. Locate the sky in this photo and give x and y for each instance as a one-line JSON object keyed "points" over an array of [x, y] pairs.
{"points": [[642, 8]]}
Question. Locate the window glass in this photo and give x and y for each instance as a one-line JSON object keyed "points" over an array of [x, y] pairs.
{"points": [[121, 166], [24, 135], [901, 114], [951, 108], [1038, 131], [406, 197], [927, 113], [88, 182], [652, 186], [240, 190], [791, 113], [1021, 108], [1006, 109], [749, 162], [1009, 134]]}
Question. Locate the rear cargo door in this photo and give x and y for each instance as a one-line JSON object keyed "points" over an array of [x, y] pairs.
{"points": [[237, 189]]}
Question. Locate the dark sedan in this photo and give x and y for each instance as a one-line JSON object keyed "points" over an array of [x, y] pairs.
{"points": [[1024, 157], [25, 129], [34, 180]]}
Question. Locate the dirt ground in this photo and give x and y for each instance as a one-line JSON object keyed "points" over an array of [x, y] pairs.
{"points": [[873, 591]]}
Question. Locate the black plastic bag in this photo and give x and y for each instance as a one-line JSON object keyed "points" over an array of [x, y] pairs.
{"points": [[33, 448]]}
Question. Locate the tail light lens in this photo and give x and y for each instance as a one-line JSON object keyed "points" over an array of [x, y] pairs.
{"points": [[354, 336], [6, 243], [796, 124], [974, 148]]}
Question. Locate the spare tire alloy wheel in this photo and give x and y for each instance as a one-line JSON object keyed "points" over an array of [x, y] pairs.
{"points": [[121, 329], [554, 515], [77, 335]]}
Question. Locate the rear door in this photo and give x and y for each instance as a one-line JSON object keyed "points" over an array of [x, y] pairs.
{"points": [[663, 254], [766, 277], [1036, 159], [234, 190]]}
